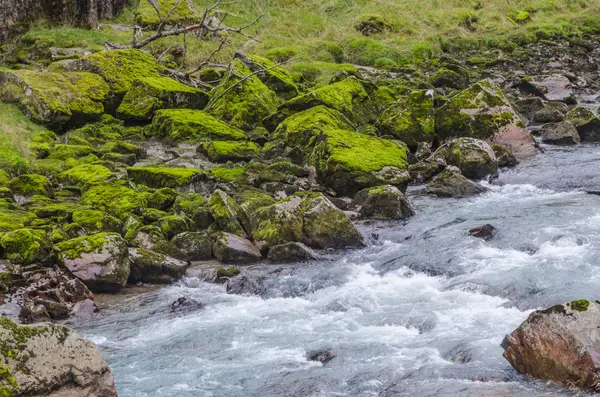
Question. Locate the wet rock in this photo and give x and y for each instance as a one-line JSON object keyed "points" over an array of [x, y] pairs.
{"points": [[474, 157], [383, 202], [586, 122], [185, 304], [246, 284], [559, 344], [450, 183], [424, 171], [230, 248], [152, 267], [323, 356], [291, 252], [504, 156], [554, 87], [563, 133], [517, 140], [485, 232], [99, 260], [52, 359], [84, 309], [196, 245]]}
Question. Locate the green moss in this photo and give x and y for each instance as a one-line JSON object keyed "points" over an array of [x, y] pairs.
{"points": [[364, 51], [4, 178], [222, 151], [74, 248], [321, 72], [226, 273], [227, 214], [31, 184], [369, 24], [86, 174], [278, 223], [64, 151], [97, 221], [411, 120], [171, 225], [121, 68], [159, 177], [243, 104], [580, 305], [274, 77], [282, 54], [195, 207], [59, 211], [8, 383], [237, 174], [251, 199], [13, 219], [152, 93], [192, 125], [115, 198], [26, 246], [162, 199], [523, 16], [146, 14]]}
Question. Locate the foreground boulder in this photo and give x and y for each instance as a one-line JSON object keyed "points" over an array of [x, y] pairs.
{"points": [[560, 344], [230, 248], [586, 122], [153, 267], [291, 252], [383, 202], [563, 133], [451, 183], [51, 360], [475, 158], [99, 260]]}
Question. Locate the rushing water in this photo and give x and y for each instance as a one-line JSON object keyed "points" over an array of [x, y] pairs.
{"points": [[421, 312]]}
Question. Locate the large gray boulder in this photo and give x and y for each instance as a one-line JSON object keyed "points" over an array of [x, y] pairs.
{"points": [[383, 202], [153, 267], [561, 343], [291, 252], [475, 158], [99, 260], [451, 183], [53, 361], [586, 122], [231, 248], [563, 133]]}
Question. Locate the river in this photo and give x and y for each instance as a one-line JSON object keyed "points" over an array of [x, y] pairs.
{"points": [[420, 312]]}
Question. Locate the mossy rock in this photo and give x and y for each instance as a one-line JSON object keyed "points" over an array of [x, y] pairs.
{"points": [[480, 112], [119, 68], [99, 260], [4, 178], [274, 77], [233, 249], [126, 159], [450, 79], [151, 215], [318, 72], [195, 207], [451, 183], [475, 158], [115, 198], [347, 97], [196, 245], [228, 215], [225, 175], [504, 156], [192, 125], [15, 219], [586, 122], [223, 151], [154, 267], [160, 177], [146, 16], [97, 221], [55, 99], [162, 199], [281, 54], [411, 120], [28, 185], [149, 94], [65, 151], [106, 129], [243, 104], [251, 199], [383, 202], [57, 211], [172, 225], [86, 174], [278, 223], [27, 246], [117, 146]]}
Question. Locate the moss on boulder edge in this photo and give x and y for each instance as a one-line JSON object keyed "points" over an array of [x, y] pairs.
{"points": [[228, 215], [55, 99], [161, 177], [192, 125], [149, 94], [27, 246], [99, 260], [223, 151], [153, 267], [475, 158], [115, 198]]}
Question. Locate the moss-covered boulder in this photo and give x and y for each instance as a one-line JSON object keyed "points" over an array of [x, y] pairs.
{"points": [[451, 183], [4, 178], [505, 157], [228, 215], [36, 359], [162, 199], [153, 267], [223, 151], [475, 158], [149, 94], [347, 97], [325, 226], [11, 219], [196, 245], [93, 221], [291, 252], [68, 151], [278, 223], [195, 207], [586, 122], [477, 112], [450, 79], [345, 160], [115, 198], [55, 99], [274, 77], [243, 103], [86, 174], [27, 246], [99, 260], [410, 120], [172, 225], [119, 68], [383, 202], [232, 249], [563, 133], [170, 177], [29, 185], [192, 125]]}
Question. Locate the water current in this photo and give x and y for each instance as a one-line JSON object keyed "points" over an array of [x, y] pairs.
{"points": [[420, 312]]}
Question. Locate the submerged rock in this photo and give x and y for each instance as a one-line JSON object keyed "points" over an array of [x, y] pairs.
{"points": [[185, 304], [51, 360], [560, 344], [451, 183], [323, 356], [485, 232]]}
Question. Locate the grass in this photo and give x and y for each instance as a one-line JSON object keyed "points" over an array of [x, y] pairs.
{"points": [[16, 135]]}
